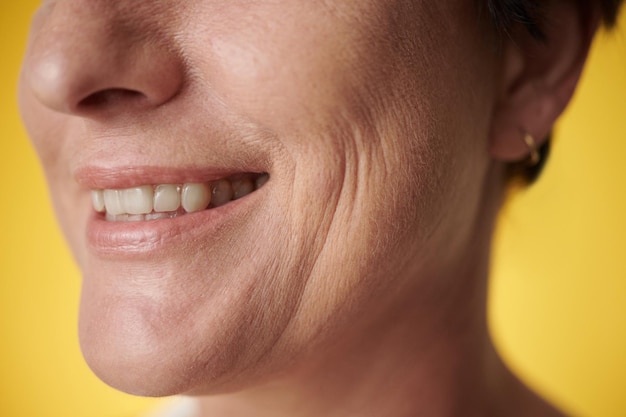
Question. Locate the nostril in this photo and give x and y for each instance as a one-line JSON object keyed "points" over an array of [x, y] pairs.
{"points": [[87, 67], [110, 97]]}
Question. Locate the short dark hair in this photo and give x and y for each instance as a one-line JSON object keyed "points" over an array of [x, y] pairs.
{"points": [[507, 14]]}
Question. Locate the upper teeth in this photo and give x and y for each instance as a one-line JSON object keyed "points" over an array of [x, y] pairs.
{"points": [[149, 202]]}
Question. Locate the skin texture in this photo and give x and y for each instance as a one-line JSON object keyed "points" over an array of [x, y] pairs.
{"points": [[354, 281]]}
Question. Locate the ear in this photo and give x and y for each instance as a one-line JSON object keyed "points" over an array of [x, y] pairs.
{"points": [[538, 78]]}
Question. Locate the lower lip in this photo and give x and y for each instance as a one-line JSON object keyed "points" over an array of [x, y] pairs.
{"points": [[121, 240]]}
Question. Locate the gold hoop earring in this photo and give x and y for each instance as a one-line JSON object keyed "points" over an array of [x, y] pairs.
{"points": [[534, 152]]}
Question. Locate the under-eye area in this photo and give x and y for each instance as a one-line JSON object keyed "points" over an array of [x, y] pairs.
{"points": [[162, 201]]}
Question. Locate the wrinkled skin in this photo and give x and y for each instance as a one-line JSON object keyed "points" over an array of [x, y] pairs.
{"points": [[373, 120]]}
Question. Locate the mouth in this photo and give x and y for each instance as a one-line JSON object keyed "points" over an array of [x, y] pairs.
{"points": [[163, 201]]}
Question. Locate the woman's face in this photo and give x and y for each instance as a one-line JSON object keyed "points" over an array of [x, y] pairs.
{"points": [[370, 118]]}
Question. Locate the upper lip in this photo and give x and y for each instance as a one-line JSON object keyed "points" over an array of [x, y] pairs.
{"points": [[118, 160], [97, 177]]}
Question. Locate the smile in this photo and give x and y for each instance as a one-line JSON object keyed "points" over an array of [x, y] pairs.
{"points": [[162, 201]]}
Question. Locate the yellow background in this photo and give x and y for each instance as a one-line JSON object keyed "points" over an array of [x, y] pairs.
{"points": [[558, 298]]}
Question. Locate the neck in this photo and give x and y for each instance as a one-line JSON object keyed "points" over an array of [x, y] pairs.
{"points": [[430, 356]]}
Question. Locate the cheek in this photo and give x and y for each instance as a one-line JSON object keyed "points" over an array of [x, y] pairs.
{"points": [[45, 128], [410, 160], [297, 69], [49, 133]]}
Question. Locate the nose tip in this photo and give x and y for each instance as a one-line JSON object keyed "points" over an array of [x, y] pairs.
{"points": [[67, 84], [88, 71], [58, 83]]}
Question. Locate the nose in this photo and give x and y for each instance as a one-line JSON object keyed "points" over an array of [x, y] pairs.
{"points": [[93, 58]]}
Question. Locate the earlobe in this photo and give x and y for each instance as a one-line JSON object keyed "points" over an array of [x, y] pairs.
{"points": [[538, 79]]}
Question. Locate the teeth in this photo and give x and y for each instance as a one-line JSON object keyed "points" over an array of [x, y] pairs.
{"points": [[148, 202], [137, 200], [261, 180], [195, 197], [242, 187], [157, 216], [112, 202], [166, 198], [135, 217], [97, 198], [222, 193]]}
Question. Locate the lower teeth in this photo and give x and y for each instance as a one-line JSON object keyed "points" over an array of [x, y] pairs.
{"points": [[143, 217]]}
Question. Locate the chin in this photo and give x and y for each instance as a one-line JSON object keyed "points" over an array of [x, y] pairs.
{"points": [[159, 330]]}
